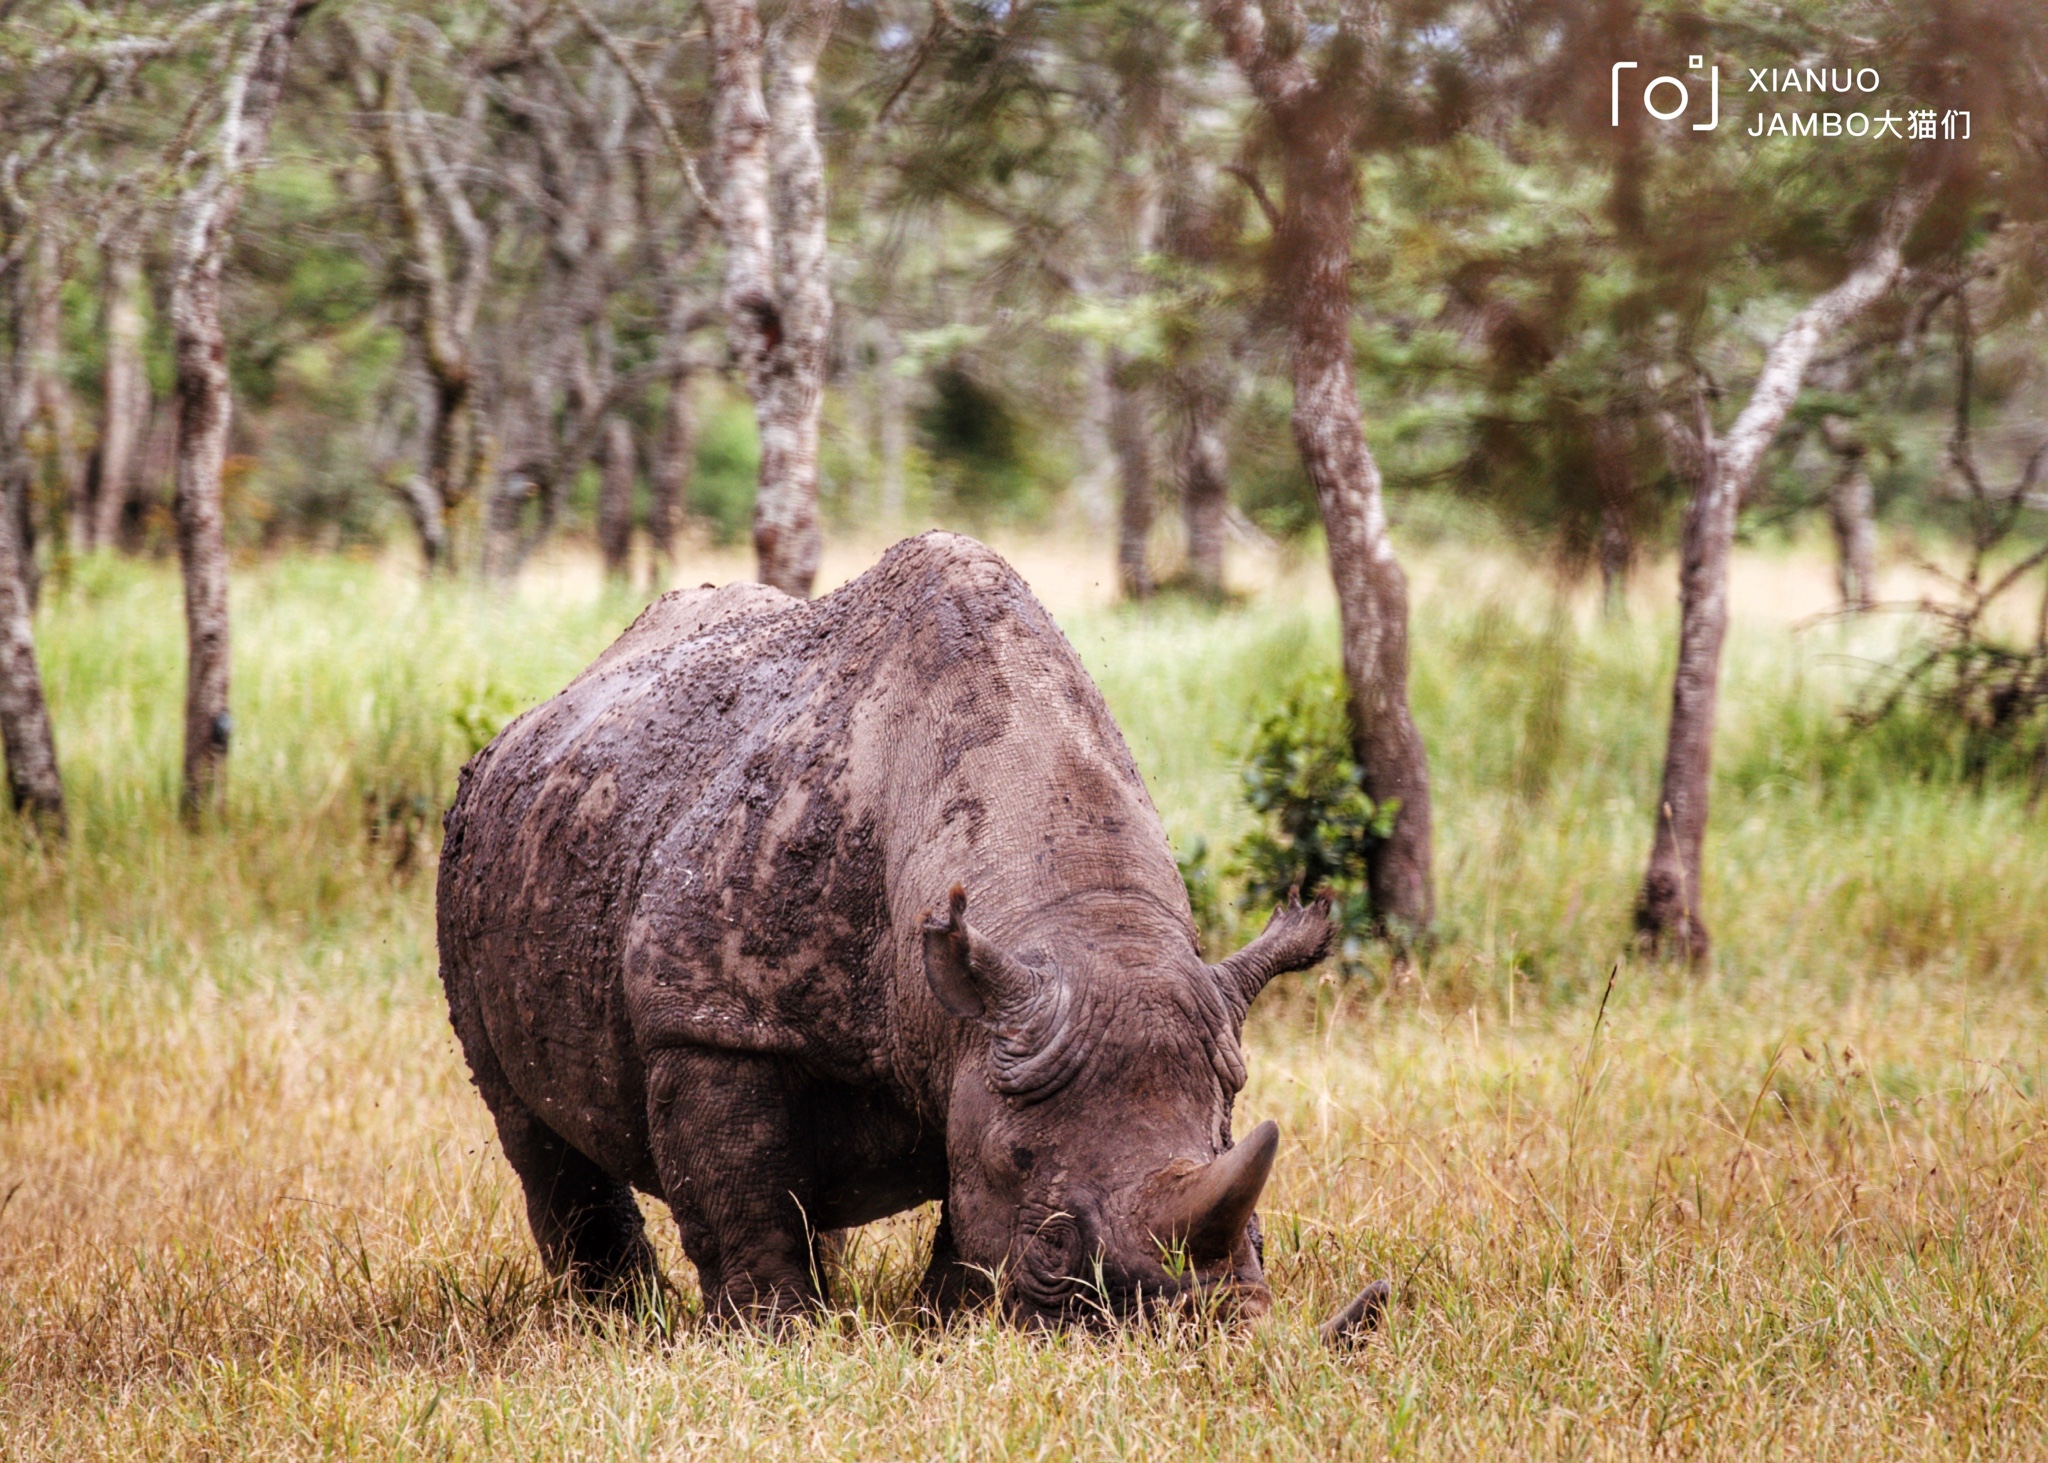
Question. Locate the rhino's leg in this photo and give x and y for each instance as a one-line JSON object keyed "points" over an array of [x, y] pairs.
{"points": [[585, 1221], [949, 1285], [734, 1151]]}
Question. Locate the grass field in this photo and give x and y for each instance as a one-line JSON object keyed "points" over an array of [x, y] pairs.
{"points": [[250, 1207]]}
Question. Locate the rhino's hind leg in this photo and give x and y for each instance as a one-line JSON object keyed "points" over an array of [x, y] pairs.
{"points": [[585, 1221], [736, 1159]]}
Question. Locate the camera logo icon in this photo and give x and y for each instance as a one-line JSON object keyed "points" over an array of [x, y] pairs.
{"points": [[1664, 89]]}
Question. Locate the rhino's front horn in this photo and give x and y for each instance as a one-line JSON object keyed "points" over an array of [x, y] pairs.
{"points": [[1207, 1209]]}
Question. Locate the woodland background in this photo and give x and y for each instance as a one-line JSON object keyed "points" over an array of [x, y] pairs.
{"points": [[1612, 556]]}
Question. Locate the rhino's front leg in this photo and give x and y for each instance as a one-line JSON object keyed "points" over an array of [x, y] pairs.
{"points": [[734, 1149], [950, 1285]]}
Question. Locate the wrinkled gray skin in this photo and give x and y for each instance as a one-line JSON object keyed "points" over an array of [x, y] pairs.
{"points": [[703, 931]]}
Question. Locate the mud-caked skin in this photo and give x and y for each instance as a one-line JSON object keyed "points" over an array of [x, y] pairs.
{"points": [[798, 914]]}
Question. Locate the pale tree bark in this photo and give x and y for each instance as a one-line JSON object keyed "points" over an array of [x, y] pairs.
{"points": [[33, 784], [124, 410], [55, 411], [200, 239], [1130, 437], [668, 487], [1668, 910], [1314, 116], [615, 496], [1204, 473], [777, 299], [1852, 514], [18, 414]]}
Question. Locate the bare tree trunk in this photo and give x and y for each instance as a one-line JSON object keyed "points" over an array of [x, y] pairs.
{"points": [[446, 296], [1314, 118], [1852, 514], [53, 403], [1850, 510], [615, 496], [33, 784], [777, 299], [1130, 435], [669, 483], [1668, 911], [1204, 482], [124, 414], [17, 420], [1617, 485], [200, 240]]}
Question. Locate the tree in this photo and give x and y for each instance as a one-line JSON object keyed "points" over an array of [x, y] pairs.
{"points": [[124, 403], [1315, 112], [1721, 468], [200, 234], [447, 263], [777, 299]]}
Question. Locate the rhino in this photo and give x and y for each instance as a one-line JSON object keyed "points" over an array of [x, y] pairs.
{"points": [[797, 914]]}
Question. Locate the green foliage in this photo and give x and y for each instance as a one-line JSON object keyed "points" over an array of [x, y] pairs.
{"points": [[980, 465], [1318, 824], [728, 471]]}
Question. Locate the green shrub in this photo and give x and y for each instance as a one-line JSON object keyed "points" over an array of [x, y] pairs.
{"points": [[727, 471], [1317, 822]]}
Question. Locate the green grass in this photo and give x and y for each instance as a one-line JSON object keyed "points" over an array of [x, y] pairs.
{"points": [[249, 1204]]}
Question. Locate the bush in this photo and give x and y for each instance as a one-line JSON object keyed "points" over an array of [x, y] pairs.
{"points": [[1318, 822]]}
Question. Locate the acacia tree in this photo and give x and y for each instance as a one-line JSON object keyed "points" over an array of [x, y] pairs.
{"points": [[1721, 467], [200, 236], [1314, 110], [776, 297], [446, 249]]}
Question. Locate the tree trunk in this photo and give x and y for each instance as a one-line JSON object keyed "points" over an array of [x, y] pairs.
{"points": [[1668, 910], [34, 786], [124, 414], [1850, 510], [53, 403], [1204, 485], [1314, 248], [669, 484], [1852, 515], [200, 242], [1315, 117], [17, 420], [777, 300], [1130, 435], [615, 496], [1617, 553]]}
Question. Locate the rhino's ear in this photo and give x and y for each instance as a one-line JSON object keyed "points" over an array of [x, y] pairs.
{"points": [[971, 977], [1296, 937], [1035, 1046]]}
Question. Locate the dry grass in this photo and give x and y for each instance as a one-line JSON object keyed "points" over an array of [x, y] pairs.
{"points": [[252, 1208]]}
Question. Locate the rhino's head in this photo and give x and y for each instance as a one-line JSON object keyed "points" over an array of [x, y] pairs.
{"points": [[1089, 1154]]}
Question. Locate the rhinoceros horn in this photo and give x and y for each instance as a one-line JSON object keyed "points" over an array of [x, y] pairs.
{"points": [[1205, 1209]]}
